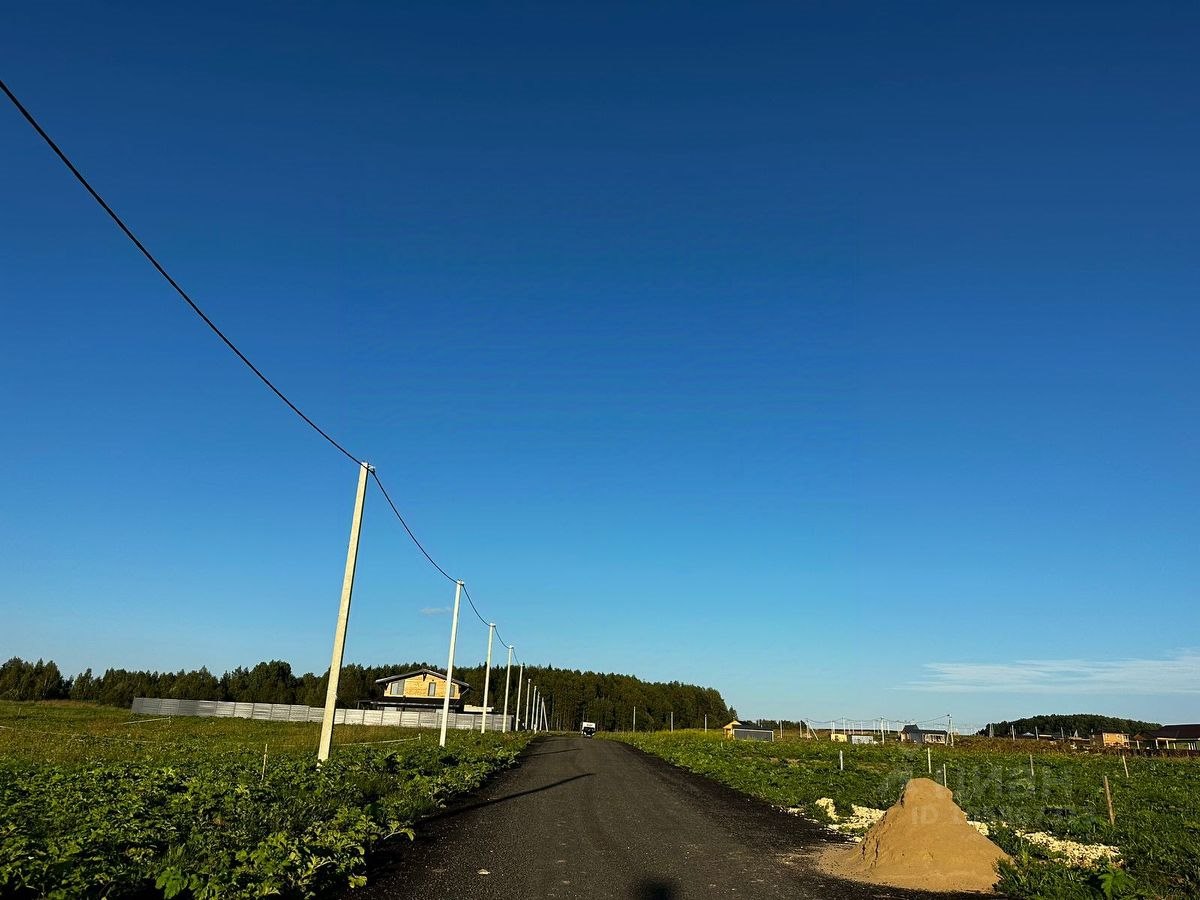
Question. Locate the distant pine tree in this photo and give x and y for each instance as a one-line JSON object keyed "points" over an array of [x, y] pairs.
{"points": [[1086, 724]]}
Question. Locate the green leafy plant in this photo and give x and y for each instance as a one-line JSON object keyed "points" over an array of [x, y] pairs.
{"points": [[189, 818]]}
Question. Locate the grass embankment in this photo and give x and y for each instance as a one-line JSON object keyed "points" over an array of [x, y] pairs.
{"points": [[93, 805], [1157, 807]]}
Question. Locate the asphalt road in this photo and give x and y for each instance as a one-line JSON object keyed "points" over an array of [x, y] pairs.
{"points": [[597, 819]]}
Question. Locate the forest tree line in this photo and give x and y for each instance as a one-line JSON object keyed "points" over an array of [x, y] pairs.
{"points": [[1085, 724], [571, 696]]}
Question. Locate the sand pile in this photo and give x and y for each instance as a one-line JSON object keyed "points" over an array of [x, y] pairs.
{"points": [[924, 842]]}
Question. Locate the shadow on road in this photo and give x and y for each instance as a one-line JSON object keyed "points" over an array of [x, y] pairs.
{"points": [[552, 752], [459, 810], [654, 889]]}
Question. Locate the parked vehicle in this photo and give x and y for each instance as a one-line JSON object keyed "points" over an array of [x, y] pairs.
{"points": [[588, 729]]}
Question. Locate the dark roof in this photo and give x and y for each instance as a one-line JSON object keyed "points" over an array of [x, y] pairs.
{"points": [[1177, 732], [740, 727], [433, 672], [917, 729]]}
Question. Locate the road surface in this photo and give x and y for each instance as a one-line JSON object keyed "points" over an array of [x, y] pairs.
{"points": [[584, 819]]}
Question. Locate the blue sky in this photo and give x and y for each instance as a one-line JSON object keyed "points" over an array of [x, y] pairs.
{"points": [[843, 357]]}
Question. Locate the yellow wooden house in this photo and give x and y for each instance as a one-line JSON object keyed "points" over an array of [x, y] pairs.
{"points": [[421, 688]]}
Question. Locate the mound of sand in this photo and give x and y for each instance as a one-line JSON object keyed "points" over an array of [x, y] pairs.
{"points": [[923, 842]]}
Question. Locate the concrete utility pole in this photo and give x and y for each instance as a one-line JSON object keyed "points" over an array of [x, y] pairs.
{"points": [[487, 677], [517, 712], [507, 673], [635, 719], [534, 707], [458, 586], [528, 700], [343, 619], [950, 728]]}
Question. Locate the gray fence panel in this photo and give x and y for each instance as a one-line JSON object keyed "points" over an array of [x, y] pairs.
{"points": [[282, 712]]}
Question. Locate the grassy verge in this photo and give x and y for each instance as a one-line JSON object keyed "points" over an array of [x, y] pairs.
{"points": [[1157, 807], [94, 805]]}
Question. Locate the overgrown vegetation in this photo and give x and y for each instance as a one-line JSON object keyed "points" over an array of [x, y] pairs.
{"points": [[92, 805], [1157, 807]]}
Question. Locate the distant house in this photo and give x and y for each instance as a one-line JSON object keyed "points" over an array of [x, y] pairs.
{"points": [[1176, 737], [1113, 739], [1037, 736], [420, 689], [914, 734], [735, 730]]}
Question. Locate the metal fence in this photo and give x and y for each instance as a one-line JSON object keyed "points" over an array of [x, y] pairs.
{"points": [[284, 712]]}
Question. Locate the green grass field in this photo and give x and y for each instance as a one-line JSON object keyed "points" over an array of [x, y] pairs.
{"points": [[67, 732], [1157, 807], [96, 803]]}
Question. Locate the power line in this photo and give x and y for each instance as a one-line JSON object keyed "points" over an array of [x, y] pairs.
{"points": [[476, 610], [507, 646], [432, 561], [218, 332], [163, 272], [420, 546]]}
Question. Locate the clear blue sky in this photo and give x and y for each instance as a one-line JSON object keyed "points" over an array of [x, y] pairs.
{"points": [[843, 357]]}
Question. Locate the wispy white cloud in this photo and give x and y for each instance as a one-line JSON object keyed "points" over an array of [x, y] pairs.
{"points": [[435, 610], [1176, 673]]}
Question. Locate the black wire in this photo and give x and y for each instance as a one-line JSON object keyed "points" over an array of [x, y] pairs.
{"points": [[472, 602], [507, 646], [425, 552], [485, 621], [217, 331], [163, 272], [432, 561]]}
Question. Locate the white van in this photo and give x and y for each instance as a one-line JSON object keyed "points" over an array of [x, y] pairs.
{"points": [[588, 729]]}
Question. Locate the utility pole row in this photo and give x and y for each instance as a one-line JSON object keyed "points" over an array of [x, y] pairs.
{"points": [[329, 715]]}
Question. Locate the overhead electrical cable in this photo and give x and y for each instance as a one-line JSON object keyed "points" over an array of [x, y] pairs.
{"points": [[171, 281], [195, 307], [507, 645], [475, 608], [420, 546]]}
